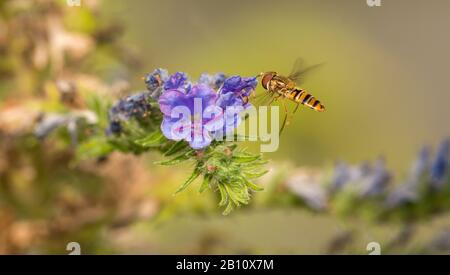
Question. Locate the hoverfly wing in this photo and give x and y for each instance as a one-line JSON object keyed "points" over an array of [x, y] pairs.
{"points": [[298, 66], [300, 70]]}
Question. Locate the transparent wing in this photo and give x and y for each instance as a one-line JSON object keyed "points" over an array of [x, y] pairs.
{"points": [[299, 70]]}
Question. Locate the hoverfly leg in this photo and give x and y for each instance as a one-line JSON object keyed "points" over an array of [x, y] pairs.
{"points": [[274, 98], [285, 122], [245, 99], [293, 112]]}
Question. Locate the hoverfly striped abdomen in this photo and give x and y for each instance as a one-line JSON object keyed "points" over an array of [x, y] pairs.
{"points": [[305, 98]]}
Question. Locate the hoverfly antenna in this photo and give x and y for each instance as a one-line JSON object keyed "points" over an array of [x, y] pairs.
{"points": [[259, 75]]}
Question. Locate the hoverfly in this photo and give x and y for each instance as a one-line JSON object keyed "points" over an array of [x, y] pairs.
{"points": [[279, 86]]}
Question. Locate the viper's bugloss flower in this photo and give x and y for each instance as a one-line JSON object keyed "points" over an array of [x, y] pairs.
{"points": [[134, 106], [214, 81], [345, 175], [240, 86], [439, 167], [306, 186], [377, 181], [421, 165], [178, 81], [196, 128], [408, 192], [216, 93], [155, 82], [340, 177]]}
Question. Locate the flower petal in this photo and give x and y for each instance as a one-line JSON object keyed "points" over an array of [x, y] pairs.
{"points": [[171, 99]]}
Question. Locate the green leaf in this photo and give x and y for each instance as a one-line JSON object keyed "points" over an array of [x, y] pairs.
{"points": [[176, 148], [223, 195], [194, 175], [151, 140], [255, 163], [232, 194], [254, 175], [243, 158], [228, 209], [178, 159], [205, 183], [253, 186]]}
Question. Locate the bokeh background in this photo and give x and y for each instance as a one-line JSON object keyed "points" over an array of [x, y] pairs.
{"points": [[384, 82]]}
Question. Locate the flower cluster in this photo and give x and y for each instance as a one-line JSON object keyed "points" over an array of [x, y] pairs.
{"points": [[188, 121], [197, 112], [365, 183], [135, 106]]}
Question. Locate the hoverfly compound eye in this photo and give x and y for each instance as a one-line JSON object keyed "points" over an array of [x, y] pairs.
{"points": [[266, 79]]}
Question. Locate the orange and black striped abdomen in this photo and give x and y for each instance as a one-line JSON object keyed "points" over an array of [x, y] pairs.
{"points": [[305, 98]]}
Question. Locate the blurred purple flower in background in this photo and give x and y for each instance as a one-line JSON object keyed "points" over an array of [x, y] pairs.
{"points": [[408, 192], [439, 167], [306, 186], [377, 180]]}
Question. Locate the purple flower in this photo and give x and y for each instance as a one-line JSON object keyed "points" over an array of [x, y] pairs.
{"points": [[184, 115], [155, 82], [421, 165], [240, 86], [377, 181], [214, 81], [233, 100], [408, 191], [177, 81], [134, 106], [231, 106], [439, 167], [341, 176], [198, 113]]}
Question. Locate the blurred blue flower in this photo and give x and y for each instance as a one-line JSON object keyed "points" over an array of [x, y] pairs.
{"points": [[408, 192], [439, 167], [306, 186], [421, 165], [351, 176], [377, 181], [340, 177]]}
